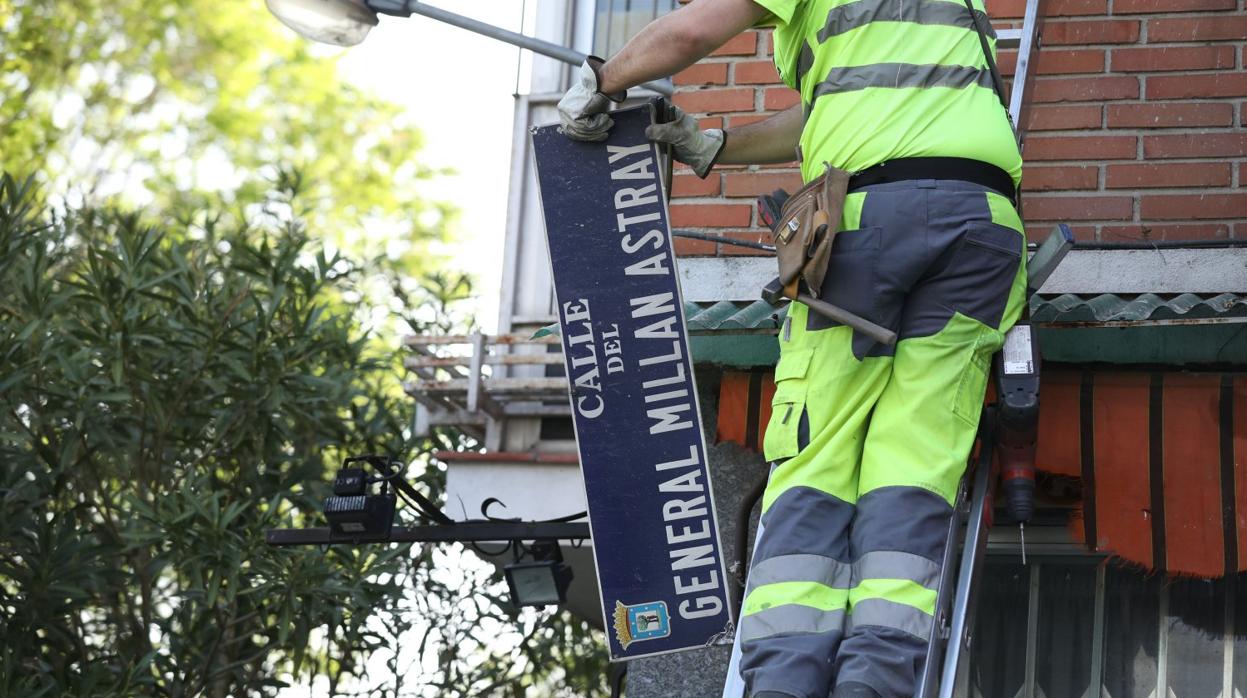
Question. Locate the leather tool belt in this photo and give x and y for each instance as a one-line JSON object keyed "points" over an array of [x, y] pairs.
{"points": [[809, 218], [807, 224]]}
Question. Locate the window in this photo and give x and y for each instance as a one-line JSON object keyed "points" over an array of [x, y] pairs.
{"points": [[620, 20], [1136, 635]]}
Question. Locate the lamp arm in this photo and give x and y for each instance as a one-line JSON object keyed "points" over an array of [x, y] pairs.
{"points": [[406, 8]]}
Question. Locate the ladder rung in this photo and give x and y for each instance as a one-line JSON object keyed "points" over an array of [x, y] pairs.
{"points": [[1008, 38]]}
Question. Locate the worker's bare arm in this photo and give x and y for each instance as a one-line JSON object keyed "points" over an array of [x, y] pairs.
{"points": [[771, 140], [676, 40]]}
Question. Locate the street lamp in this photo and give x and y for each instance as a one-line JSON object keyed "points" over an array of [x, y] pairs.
{"points": [[347, 22], [337, 22]]}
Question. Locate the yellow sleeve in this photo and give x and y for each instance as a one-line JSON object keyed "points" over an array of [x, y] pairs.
{"points": [[781, 11]]}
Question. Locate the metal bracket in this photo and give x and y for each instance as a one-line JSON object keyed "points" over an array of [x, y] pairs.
{"points": [[465, 532]]}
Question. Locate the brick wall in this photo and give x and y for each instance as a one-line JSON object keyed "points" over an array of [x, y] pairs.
{"points": [[1135, 132]]}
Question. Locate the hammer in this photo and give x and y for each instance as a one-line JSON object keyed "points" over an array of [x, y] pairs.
{"points": [[773, 294]]}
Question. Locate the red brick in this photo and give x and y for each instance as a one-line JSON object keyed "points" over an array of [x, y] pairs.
{"points": [[1000, 9], [710, 122], [1167, 231], [702, 74], [1129, 7], [755, 73], [1039, 233], [1078, 208], [1213, 28], [1193, 206], [1186, 86], [1155, 59], [1168, 175], [776, 166], [1170, 115], [681, 168], [999, 25], [1007, 62], [1101, 31], [686, 185], [1196, 145], [1073, 8], [690, 247], [714, 100], [779, 98], [1086, 89], [711, 215], [1064, 118], [1060, 178], [745, 44], [757, 235], [738, 120], [1057, 62], [1081, 148], [757, 183]]}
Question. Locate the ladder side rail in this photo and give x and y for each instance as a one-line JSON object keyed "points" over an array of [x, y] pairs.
{"points": [[972, 555], [943, 600], [1019, 96]]}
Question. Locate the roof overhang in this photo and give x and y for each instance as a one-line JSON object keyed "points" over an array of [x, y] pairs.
{"points": [[1168, 305]]}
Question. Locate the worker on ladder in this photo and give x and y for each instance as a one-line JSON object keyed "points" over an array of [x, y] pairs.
{"points": [[869, 440]]}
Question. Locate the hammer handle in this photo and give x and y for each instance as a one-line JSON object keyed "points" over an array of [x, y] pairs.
{"points": [[834, 312]]}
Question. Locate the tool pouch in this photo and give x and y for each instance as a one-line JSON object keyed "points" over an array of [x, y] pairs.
{"points": [[806, 227]]}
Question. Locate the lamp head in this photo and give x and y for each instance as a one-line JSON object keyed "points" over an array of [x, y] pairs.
{"points": [[337, 22]]}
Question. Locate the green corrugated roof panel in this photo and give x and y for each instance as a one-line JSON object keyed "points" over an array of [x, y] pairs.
{"points": [[1070, 308], [752, 317], [726, 316]]}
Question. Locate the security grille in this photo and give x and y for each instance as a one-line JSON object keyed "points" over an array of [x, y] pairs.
{"points": [[1127, 632]]}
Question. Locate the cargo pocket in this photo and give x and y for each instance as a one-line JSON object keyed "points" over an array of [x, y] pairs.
{"points": [[781, 440], [972, 386]]}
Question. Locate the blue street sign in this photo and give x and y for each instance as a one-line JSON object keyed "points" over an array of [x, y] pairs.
{"points": [[634, 402]]}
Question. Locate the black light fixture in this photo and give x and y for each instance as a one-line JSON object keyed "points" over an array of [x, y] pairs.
{"points": [[543, 579], [356, 515]]}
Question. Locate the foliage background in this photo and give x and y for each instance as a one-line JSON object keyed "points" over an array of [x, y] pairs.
{"points": [[201, 287]]}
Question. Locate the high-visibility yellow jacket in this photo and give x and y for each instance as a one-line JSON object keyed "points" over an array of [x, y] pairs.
{"points": [[887, 79]]}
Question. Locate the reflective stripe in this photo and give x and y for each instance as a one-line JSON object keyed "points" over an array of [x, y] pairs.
{"points": [[782, 620], [893, 564], [888, 614], [801, 568], [897, 590], [805, 61], [853, 15], [810, 594], [898, 75]]}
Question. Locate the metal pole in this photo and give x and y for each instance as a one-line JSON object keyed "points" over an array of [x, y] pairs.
{"points": [[545, 48]]}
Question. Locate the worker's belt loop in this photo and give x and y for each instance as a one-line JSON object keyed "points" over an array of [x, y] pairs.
{"points": [[961, 169]]}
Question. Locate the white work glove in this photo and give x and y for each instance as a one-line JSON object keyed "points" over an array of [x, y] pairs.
{"points": [[583, 109], [690, 145]]}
